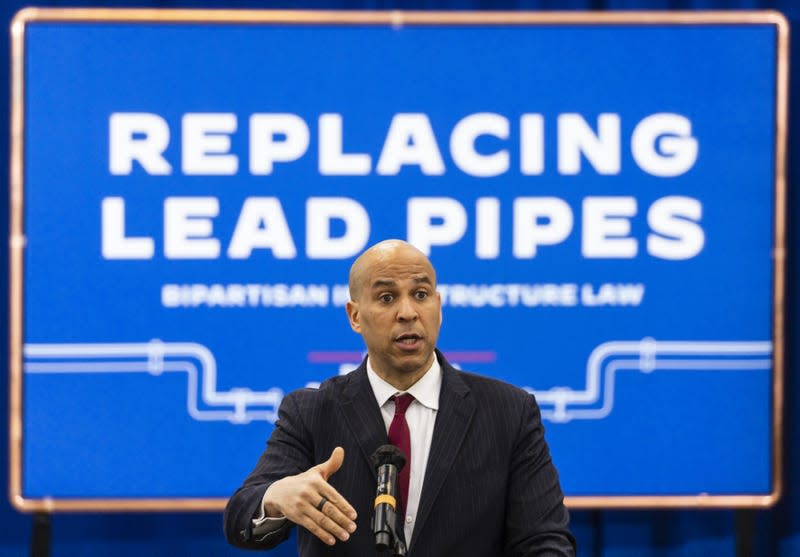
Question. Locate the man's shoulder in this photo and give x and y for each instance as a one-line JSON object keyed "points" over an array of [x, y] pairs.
{"points": [[330, 389], [499, 405], [483, 386]]}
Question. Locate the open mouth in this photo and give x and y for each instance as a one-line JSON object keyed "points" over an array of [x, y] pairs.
{"points": [[408, 339]]}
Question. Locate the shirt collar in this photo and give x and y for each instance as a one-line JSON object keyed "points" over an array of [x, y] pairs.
{"points": [[425, 390]]}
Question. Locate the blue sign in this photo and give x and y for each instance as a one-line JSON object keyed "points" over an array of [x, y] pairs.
{"points": [[598, 198]]}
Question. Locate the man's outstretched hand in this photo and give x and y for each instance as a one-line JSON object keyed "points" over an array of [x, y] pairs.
{"points": [[308, 500]]}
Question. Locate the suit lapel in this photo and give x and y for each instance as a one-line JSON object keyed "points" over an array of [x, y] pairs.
{"points": [[362, 414], [453, 420]]}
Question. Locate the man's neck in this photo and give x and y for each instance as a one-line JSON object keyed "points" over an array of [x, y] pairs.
{"points": [[402, 381]]}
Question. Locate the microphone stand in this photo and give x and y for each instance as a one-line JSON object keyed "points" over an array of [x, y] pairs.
{"points": [[387, 536], [392, 541]]}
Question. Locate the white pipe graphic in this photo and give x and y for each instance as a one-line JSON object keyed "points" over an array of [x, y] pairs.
{"points": [[562, 404], [242, 405]]}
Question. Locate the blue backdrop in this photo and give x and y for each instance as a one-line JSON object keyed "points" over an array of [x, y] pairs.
{"points": [[613, 533]]}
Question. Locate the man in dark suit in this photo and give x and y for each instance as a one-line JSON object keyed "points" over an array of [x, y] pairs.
{"points": [[481, 481]]}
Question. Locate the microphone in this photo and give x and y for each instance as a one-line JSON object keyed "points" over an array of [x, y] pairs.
{"points": [[388, 460]]}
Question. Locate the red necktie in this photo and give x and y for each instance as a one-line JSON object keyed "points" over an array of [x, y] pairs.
{"points": [[400, 438]]}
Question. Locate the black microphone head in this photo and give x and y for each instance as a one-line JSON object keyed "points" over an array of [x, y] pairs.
{"points": [[388, 454]]}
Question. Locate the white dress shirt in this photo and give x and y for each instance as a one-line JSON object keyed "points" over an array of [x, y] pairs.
{"points": [[421, 417]]}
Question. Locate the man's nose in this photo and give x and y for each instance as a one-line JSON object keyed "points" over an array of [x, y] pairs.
{"points": [[406, 310]]}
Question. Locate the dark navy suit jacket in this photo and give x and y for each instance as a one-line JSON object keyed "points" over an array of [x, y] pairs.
{"points": [[490, 487]]}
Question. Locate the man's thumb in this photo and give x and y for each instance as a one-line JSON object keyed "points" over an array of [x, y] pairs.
{"points": [[330, 466]]}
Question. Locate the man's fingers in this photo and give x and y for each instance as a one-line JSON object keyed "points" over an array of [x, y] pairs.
{"points": [[322, 525], [330, 466], [330, 526], [340, 516], [326, 470], [336, 504], [308, 523]]}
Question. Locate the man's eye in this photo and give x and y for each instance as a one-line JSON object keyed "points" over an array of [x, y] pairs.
{"points": [[421, 295], [385, 298]]}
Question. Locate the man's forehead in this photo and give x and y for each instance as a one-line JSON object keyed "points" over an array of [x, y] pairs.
{"points": [[416, 278], [390, 260]]}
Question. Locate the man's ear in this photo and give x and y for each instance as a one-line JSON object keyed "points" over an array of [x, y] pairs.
{"points": [[353, 316]]}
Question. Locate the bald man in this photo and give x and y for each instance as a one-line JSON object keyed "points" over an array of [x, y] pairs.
{"points": [[480, 481]]}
